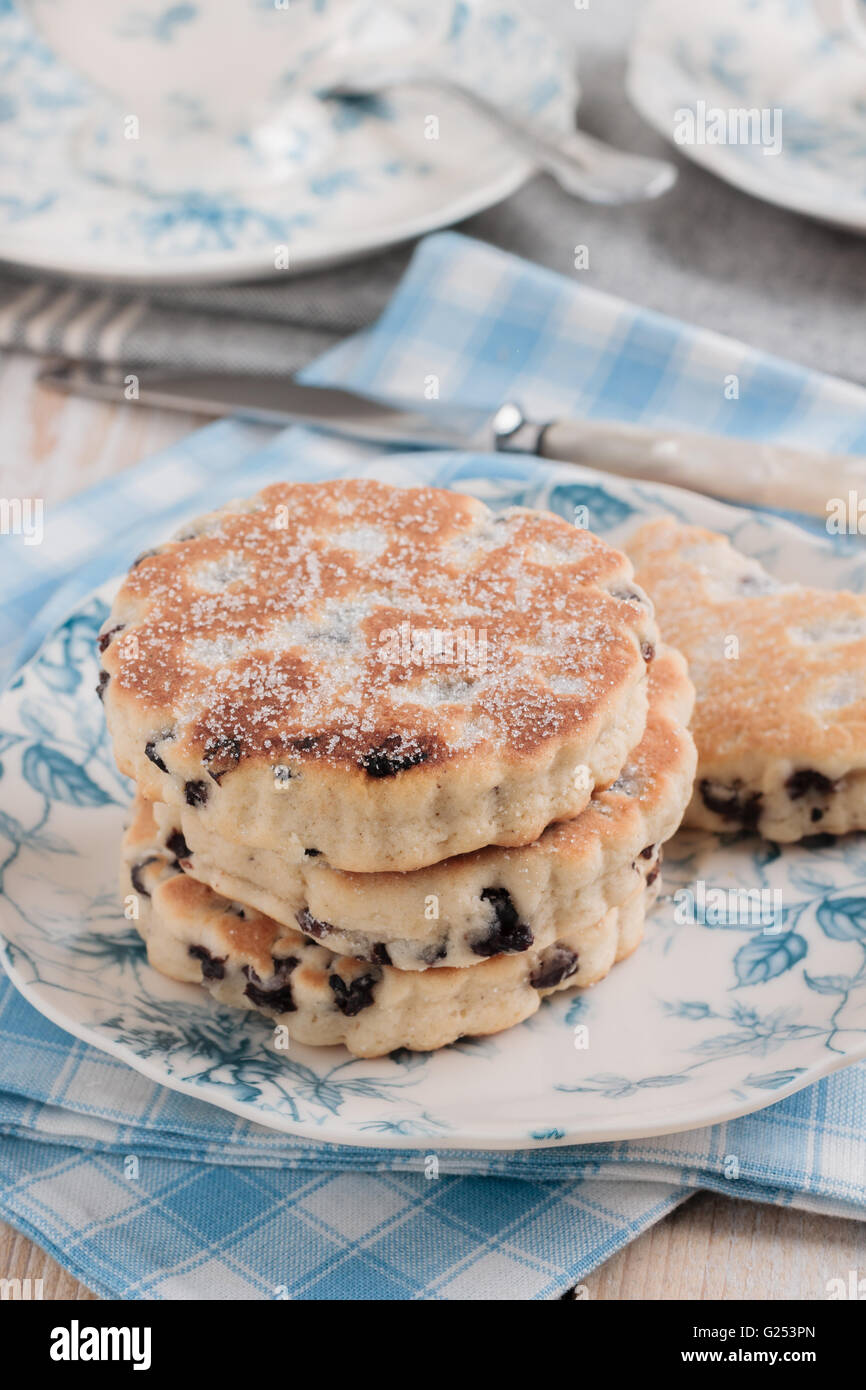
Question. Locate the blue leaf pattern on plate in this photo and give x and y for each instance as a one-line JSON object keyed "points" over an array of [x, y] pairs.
{"points": [[57, 777], [603, 510], [843, 919], [767, 956]]}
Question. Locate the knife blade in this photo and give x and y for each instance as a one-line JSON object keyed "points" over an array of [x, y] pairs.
{"points": [[738, 470], [275, 400]]}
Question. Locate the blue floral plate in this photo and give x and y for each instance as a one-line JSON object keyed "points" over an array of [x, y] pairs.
{"points": [[763, 95], [717, 1013], [384, 169]]}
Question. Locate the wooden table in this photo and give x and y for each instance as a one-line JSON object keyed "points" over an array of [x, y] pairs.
{"points": [[711, 1246]]}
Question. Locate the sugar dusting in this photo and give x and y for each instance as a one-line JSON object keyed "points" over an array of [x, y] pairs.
{"points": [[276, 624]]}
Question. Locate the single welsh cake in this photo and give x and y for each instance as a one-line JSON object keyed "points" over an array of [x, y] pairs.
{"points": [[780, 678], [388, 676]]}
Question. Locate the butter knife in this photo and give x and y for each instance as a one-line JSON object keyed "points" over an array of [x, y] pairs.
{"points": [[738, 470]]}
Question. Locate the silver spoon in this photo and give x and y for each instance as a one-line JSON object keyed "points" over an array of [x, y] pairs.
{"points": [[583, 166]]}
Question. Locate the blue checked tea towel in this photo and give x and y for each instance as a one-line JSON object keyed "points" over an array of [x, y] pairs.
{"points": [[145, 1193]]}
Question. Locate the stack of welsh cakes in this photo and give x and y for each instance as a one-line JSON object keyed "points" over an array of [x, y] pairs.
{"points": [[403, 766]]}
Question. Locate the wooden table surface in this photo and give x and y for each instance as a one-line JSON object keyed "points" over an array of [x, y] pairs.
{"points": [[711, 1246]]}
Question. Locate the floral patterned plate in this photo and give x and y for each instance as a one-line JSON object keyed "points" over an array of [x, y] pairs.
{"points": [[386, 169], [709, 1019], [773, 58]]}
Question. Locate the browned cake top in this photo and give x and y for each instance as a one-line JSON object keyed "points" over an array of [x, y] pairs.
{"points": [[324, 620]]}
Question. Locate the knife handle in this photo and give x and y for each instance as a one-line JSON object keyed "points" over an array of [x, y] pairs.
{"points": [[738, 470]]}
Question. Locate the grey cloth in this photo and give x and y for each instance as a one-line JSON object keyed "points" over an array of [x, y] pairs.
{"points": [[705, 252]]}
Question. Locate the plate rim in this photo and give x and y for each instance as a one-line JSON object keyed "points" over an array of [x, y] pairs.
{"points": [[227, 266]]}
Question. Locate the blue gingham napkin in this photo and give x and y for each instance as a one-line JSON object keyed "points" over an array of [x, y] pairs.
{"points": [[145, 1193]]}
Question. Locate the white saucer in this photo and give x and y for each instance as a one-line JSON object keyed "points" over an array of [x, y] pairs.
{"points": [[764, 55], [379, 179]]}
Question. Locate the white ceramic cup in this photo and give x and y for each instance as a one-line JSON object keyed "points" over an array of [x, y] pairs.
{"points": [[210, 95]]}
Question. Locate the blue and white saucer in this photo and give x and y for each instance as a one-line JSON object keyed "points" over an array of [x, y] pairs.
{"points": [[718, 1013], [385, 173], [774, 58]]}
